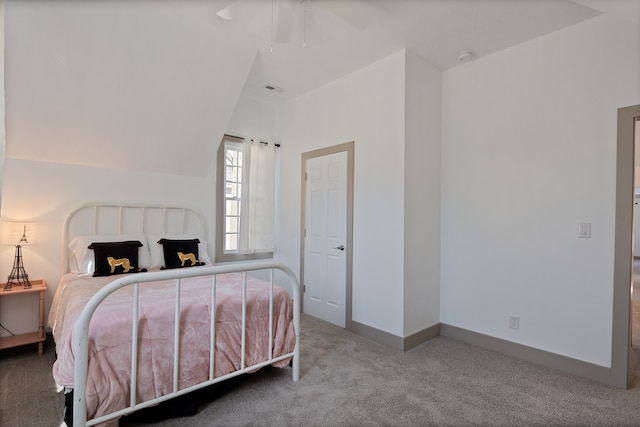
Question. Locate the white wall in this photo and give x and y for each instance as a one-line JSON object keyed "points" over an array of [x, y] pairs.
{"points": [[253, 119], [529, 150], [366, 107], [391, 109], [47, 192], [423, 106]]}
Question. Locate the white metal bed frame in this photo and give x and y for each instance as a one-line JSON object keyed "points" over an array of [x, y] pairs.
{"points": [[81, 328], [95, 212]]}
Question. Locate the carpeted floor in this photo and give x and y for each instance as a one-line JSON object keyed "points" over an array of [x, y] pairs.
{"points": [[347, 380], [28, 394]]}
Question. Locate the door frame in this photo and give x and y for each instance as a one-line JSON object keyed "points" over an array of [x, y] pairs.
{"points": [[349, 148], [623, 248]]}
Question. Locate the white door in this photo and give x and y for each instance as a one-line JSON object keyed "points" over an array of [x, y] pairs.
{"points": [[325, 231]]}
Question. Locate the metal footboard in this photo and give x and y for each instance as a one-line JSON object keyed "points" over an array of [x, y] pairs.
{"points": [[81, 344]]}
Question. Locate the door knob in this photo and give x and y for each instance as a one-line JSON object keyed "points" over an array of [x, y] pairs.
{"points": [[341, 247]]}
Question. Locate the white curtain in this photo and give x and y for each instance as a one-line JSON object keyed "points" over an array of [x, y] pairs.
{"points": [[257, 214]]}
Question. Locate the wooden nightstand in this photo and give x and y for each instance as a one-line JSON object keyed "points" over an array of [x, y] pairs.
{"points": [[29, 337]]}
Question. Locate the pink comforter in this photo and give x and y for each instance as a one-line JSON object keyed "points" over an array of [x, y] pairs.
{"points": [[109, 375]]}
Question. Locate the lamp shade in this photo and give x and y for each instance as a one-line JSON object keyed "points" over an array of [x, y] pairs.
{"points": [[18, 233]]}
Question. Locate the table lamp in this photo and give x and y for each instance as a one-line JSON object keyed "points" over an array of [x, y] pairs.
{"points": [[18, 234]]}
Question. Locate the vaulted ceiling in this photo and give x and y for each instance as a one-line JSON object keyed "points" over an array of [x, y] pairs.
{"points": [[151, 85]]}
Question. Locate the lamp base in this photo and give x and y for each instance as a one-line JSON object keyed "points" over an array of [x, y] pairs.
{"points": [[18, 276]]}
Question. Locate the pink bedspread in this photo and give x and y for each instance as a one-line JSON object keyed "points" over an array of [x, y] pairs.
{"points": [[109, 376]]}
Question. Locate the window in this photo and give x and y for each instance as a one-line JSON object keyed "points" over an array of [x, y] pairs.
{"points": [[245, 189], [232, 195]]}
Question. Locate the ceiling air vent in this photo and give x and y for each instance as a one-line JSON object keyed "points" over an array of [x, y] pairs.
{"points": [[274, 88]]}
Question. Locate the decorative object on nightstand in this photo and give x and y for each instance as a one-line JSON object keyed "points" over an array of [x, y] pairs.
{"points": [[18, 234]]}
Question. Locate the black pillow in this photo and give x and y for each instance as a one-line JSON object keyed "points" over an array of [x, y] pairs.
{"points": [[116, 257], [180, 253]]}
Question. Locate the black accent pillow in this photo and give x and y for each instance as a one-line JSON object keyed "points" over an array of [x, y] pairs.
{"points": [[180, 253], [116, 257]]}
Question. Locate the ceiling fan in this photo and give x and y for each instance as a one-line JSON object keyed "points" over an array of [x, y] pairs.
{"points": [[353, 13]]}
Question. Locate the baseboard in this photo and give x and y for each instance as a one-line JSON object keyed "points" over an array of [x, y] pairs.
{"points": [[566, 364], [377, 335], [419, 337], [394, 341]]}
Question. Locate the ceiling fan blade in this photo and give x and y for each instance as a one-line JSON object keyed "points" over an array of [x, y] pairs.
{"points": [[355, 14], [283, 24], [230, 12]]}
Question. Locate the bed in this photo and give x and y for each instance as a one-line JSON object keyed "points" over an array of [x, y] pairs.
{"points": [[132, 319]]}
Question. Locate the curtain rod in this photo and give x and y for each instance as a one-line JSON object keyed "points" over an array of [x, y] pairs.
{"points": [[261, 142]]}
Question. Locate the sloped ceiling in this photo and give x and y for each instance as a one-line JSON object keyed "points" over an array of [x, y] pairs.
{"points": [[436, 30], [121, 84], [151, 84]]}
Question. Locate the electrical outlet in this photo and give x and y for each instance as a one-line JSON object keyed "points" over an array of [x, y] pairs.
{"points": [[514, 322]]}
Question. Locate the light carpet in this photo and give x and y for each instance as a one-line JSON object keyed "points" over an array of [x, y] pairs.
{"points": [[347, 380]]}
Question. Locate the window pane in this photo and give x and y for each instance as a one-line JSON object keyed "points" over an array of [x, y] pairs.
{"points": [[230, 174], [232, 224], [232, 157], [231, 242], [233, 190], [232, 208], [233, 154], [226, 242]]}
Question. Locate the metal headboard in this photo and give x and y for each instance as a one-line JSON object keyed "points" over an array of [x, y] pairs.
{"points": [[117, 218]]}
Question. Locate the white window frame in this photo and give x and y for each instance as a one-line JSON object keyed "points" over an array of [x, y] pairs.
{"points": [[223, 254]]}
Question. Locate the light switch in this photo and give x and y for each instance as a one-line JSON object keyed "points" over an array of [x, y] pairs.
{"points": [[584, 229]]}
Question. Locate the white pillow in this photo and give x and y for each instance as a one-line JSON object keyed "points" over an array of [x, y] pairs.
{"points": [[157, 254], [83, 260]]}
